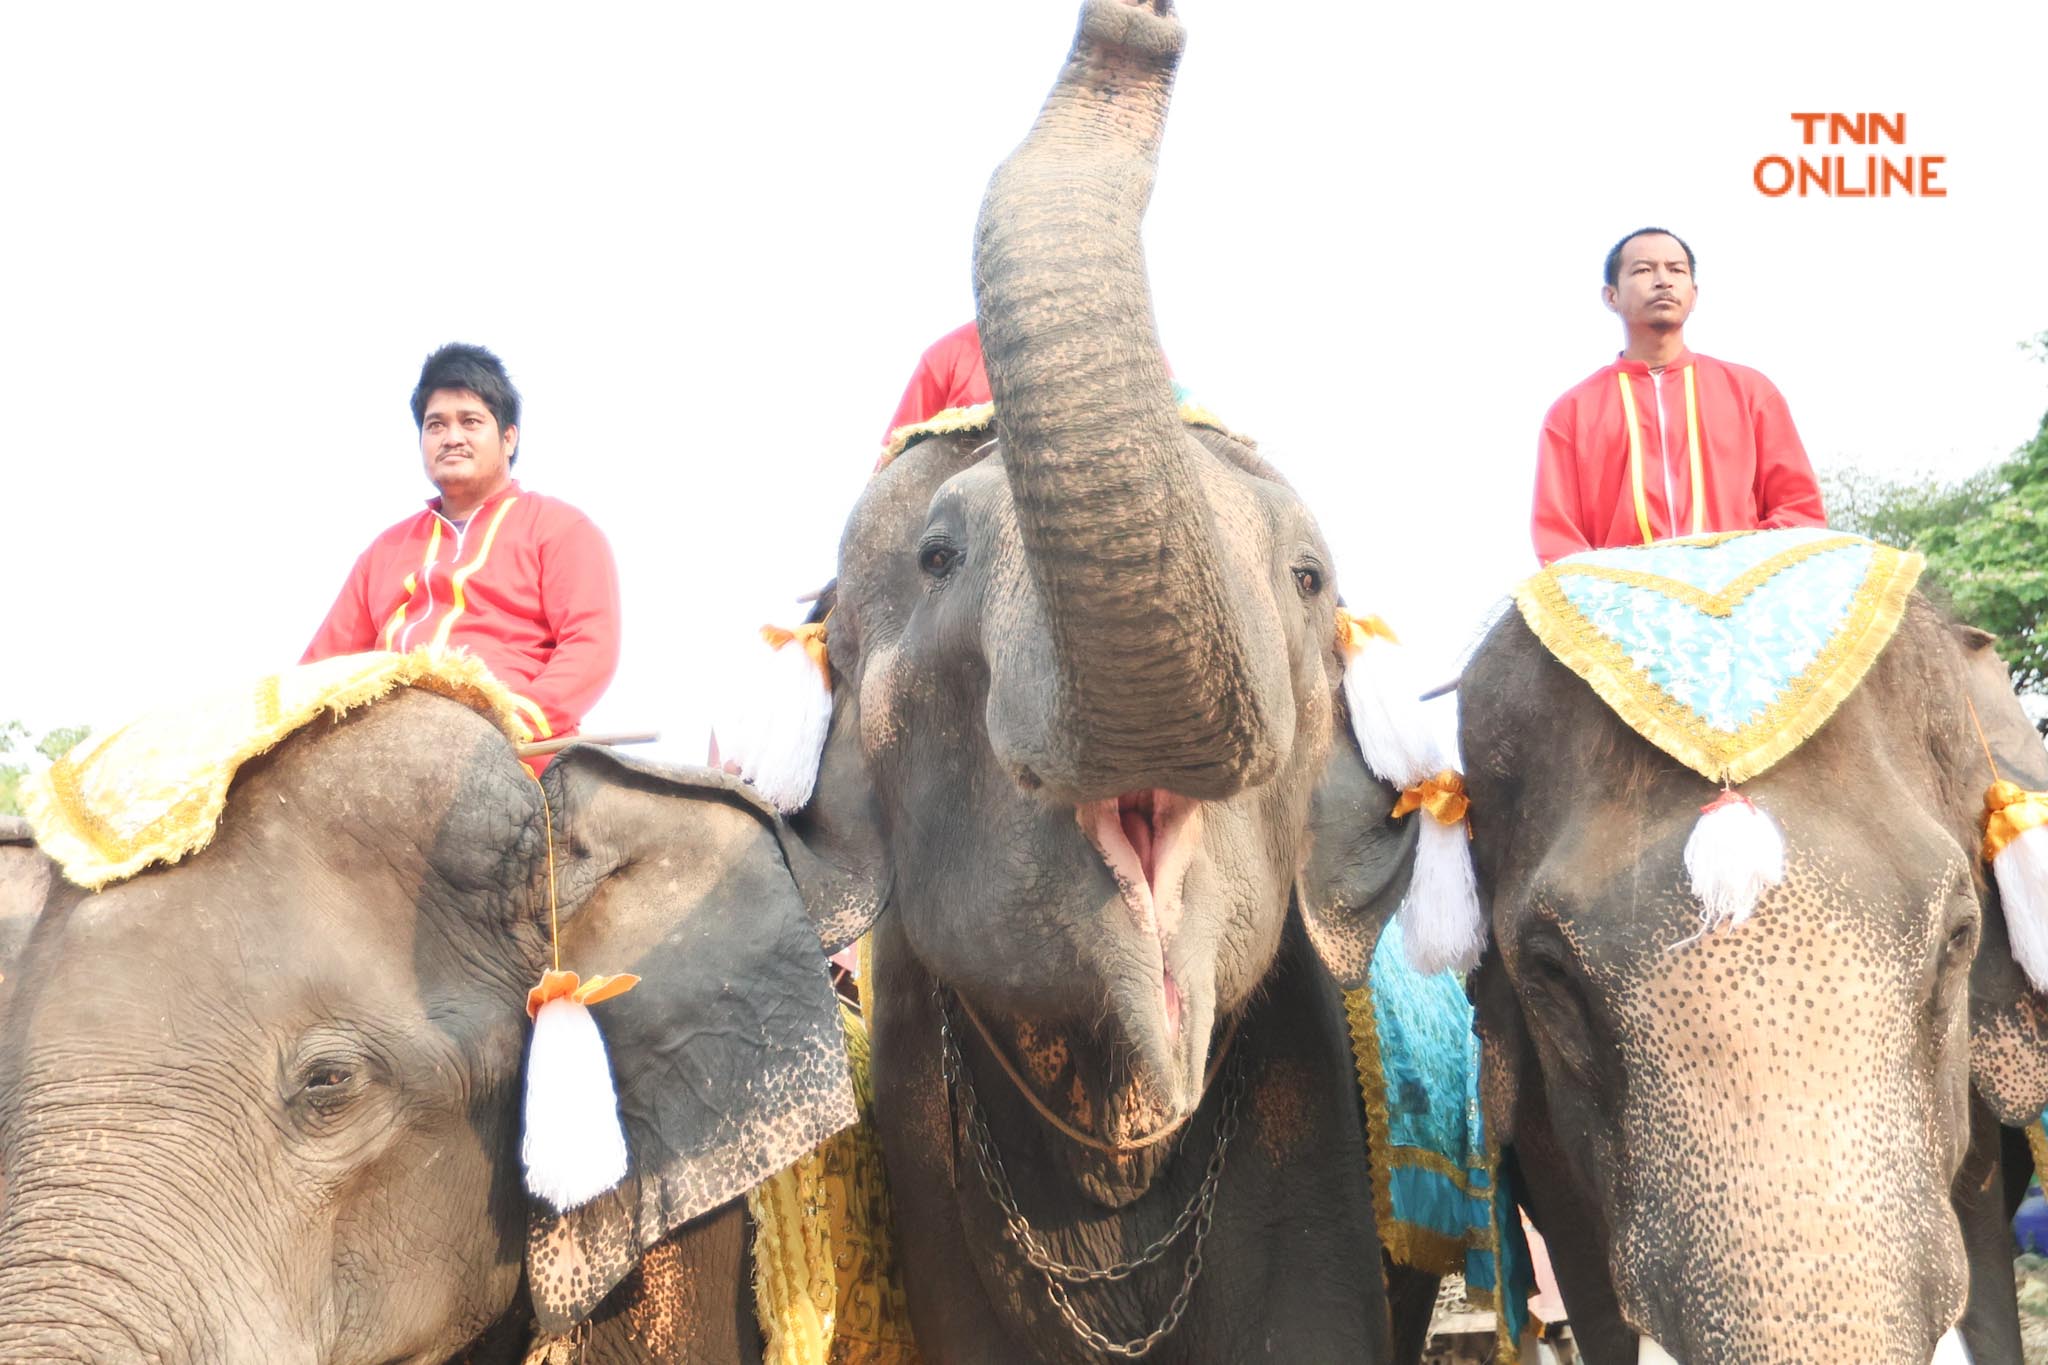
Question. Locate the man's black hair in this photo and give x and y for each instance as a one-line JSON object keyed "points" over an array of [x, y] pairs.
{"points": [[461, 366], [1614, 256]]}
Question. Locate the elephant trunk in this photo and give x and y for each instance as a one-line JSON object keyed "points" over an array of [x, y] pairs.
{"points": [[1165, 680], [96, 1266]]}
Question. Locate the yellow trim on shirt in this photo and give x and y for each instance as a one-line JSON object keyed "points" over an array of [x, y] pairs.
{"points": [[412, 583], [461, 575], [1635, 455], [1692, 453]]}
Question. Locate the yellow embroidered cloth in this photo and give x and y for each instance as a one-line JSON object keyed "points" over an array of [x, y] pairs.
{"points": [[1724, 651], [828, 1289], [152, 791]]}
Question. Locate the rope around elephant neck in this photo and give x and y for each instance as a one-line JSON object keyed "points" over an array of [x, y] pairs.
{"points": [[548, 813], [1067, 1130]]}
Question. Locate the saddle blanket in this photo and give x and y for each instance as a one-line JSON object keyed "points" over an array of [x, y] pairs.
{"points": [[1725, 651]]}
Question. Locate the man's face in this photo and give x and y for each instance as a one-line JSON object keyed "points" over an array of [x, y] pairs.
{"points": [[1654, 290], [468, 456]]}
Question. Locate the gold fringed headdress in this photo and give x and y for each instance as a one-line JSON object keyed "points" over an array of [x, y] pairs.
{"points": [[153, 791]]}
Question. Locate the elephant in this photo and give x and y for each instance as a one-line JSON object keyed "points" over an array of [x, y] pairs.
{"points": [[1762, 1147], [1087, 747], [24, 882], [262, 1104]]}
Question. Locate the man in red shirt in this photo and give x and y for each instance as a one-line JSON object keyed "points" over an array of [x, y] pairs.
{"points": [[523, 582], [948, 375], [1664, 442]]}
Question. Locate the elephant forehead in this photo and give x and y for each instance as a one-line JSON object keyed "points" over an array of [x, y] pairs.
{"points": [[1807, 994]]}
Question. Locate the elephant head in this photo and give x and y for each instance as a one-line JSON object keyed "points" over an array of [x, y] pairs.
{"points": [[1084, 673], [262, 1105], [1087, 746], [1763, 1121]]}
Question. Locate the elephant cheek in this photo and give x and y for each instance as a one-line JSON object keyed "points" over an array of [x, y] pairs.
{"points": [[2009, 1059]]}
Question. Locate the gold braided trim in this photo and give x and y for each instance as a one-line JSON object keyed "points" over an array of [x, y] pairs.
{"points": [[153, 790], [2037, 1143], [982, 415], [1372, 1089], [1721, 602], [828, 1288], [1802, 708], [1438, 1164]]}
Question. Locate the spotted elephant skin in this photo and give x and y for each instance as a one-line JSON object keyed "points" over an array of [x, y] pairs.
{"points": [[1753, 1146], [263, 1105], [1088, 751]]}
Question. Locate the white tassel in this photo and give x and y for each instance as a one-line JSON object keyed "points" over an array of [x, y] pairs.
{"points": [[574, 1148], [781, 710], [2016, 845], [1951, 1350], [1383, 692], [1734, 855], [1441, 922]]}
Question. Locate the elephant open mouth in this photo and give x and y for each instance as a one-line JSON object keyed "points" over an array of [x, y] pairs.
{"points": [[1148, 839]]}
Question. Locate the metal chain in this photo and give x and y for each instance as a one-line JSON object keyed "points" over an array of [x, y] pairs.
{"points": [[1199, 1212]]}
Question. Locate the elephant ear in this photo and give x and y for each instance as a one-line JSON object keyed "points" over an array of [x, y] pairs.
{"points": [[1505, 1052], [835, 849], [26, 876], [1358, 863], [2008, 1017], [728, 1057]]}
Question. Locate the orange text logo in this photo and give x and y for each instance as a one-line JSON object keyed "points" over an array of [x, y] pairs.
{"points": [[1851, 175]]}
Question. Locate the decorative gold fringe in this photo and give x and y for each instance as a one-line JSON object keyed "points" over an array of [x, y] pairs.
{"points": [[1804, 706], [87, 810], [1372, 1089], [2037, 1143], [981, 415]]}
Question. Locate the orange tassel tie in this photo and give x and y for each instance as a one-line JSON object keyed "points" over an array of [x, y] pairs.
{"points": [[811, 637], [1353, 632], [2010, 811], [555, 985], [1443, 796]]}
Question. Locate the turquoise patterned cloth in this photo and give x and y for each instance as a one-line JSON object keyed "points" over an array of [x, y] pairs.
{"points": [[1429, 1063], [1724, 651], [1725, 669]]}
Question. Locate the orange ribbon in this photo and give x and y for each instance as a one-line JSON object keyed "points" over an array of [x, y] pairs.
{"points": [[2010, 811], [1353, 632], [558, 985], [1443, 796], [811, 637]]}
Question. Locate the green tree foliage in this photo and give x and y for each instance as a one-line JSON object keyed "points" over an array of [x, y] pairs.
{"points": [[1985, 538], [52, 746]]}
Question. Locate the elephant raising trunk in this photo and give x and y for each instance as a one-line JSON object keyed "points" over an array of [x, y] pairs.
{"points": [[1171, 678]]}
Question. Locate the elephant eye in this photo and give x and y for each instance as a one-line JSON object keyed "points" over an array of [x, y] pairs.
{"points": [[938, 559], [328, 1083], [1309, 579]]}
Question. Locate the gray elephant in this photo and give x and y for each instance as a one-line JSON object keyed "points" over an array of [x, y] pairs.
{"points": [[1087, 746], [1752, 1144], [262, 1105]]}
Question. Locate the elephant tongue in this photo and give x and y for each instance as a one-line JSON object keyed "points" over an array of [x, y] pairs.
{"points": [[1148, 838]]}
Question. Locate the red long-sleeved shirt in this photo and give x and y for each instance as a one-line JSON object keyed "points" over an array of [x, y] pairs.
{"points": [[1752, 471], [949, 374], [528, 586]]}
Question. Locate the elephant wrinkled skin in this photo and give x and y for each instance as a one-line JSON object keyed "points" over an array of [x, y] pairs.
{"points": [[262, 1105], [1744, 1146], [1088, 747]]}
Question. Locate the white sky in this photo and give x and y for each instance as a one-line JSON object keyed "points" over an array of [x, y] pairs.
{"points": [[710, 242]]}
